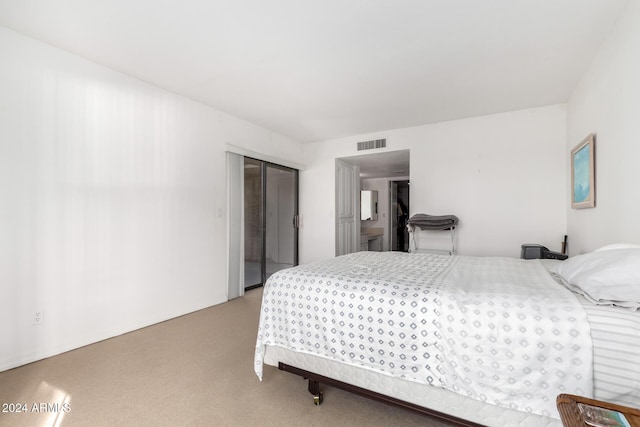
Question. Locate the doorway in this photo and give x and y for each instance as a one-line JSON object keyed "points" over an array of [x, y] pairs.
{"points": [[399, 215], [383, 167], [270, 220]]}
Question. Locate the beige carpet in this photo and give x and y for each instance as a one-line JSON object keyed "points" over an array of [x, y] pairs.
{"points": [[196, 370]]}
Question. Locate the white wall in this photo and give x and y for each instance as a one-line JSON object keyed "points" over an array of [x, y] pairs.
{"points": [[503, 175], [112, 200], [607, 103]]}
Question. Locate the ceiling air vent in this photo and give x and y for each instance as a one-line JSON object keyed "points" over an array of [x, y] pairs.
{"points": [[370, 145]]}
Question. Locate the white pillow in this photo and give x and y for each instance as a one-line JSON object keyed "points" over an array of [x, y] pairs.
{"points": [[610, 276]]}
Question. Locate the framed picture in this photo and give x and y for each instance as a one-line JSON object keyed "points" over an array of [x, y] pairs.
{"points": [[583, 191]]}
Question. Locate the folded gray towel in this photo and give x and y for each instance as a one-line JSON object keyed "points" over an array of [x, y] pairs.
{"points": [[433, 222]]}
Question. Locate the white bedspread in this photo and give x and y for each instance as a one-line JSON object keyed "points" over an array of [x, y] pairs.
{"points": [[499, 330]]}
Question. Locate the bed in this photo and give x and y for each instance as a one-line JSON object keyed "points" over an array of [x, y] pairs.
{"points": [[497, 339]]}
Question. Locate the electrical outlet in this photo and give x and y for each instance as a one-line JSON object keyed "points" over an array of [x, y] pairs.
{"points": [[38, 317]]}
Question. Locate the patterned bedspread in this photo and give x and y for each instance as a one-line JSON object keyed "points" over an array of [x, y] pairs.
{"points": [[499, 330]]}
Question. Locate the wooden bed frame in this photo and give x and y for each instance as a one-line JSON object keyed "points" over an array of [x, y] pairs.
{"points": [[314, 388]]}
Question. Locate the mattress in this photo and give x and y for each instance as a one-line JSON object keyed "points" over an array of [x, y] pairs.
{"points": [[434, 398]]}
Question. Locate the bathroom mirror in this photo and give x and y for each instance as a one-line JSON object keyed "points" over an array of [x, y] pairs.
{"points": [[369, 205]]}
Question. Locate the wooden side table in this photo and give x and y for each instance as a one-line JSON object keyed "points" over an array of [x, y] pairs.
{"points": [[571, 416]]}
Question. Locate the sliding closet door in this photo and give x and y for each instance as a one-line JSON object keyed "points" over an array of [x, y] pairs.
{"points": [[253, 222], [270, 220], [281, 219]]}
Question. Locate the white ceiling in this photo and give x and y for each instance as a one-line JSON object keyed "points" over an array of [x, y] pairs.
{"points": [[314, 70]]}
